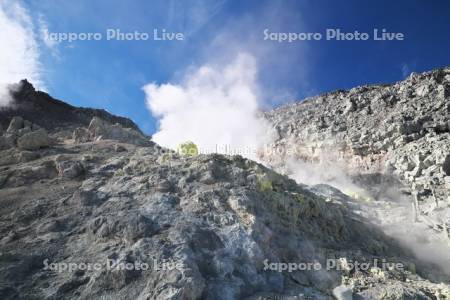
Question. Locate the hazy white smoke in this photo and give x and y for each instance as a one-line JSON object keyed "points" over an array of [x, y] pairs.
{"points": [[216, 107], [392, 212], [5, 97], [19, 53], [311, 174]]}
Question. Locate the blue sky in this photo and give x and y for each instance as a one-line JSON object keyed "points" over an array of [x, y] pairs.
{"points": [[111, 74]]}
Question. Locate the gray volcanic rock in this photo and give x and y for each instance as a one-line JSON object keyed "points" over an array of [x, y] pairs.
{"points": [[399, 131], [25, 135], [100, 129], [33, 140], [81, 135], [130, 207], [7, 141], [446, 165], [111, 218]]}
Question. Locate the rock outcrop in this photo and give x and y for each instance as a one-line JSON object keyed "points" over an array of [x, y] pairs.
{"points": [[24, 135], [100, 129], [399, 131]]}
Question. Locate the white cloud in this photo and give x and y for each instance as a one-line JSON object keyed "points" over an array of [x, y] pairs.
{"points": [[44, 33], [214, 106], [19, 53]]}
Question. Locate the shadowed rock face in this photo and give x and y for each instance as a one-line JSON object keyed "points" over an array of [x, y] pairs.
{"points": [[207, 226], [446, 165], [51, 114]]}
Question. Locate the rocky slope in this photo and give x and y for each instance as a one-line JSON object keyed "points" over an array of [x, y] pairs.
{"points": [[91, 209], [378, 136]]}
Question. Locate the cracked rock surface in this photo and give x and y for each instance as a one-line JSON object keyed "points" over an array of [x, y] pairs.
{"points": [[375, 134]]}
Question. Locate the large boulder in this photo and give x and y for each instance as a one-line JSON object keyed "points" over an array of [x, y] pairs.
{"points": [[100, 129], [33, 140]]}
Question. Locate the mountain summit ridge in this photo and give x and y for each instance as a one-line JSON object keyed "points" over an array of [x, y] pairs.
{"points": [[42, 109]]}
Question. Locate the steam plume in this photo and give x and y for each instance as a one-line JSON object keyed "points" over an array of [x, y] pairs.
{"points": [[215, 106]]}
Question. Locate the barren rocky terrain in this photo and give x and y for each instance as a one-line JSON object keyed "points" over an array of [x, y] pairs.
{"points": [[388, 145], [83, 189]]}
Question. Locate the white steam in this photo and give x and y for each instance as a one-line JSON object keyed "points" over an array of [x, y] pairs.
{"points": [[19, 53], [311, 174], [216, 107], [391, 210]]}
